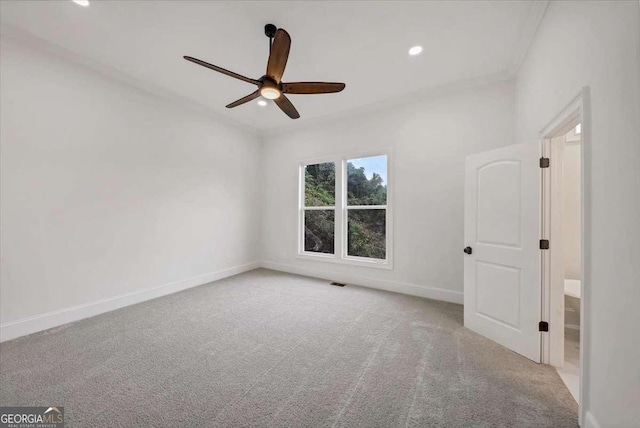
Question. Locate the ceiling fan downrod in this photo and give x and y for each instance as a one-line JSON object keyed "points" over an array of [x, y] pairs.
{"points": [[270, 32]]}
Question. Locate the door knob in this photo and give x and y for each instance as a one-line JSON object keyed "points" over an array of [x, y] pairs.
{"points": [[468, 250]]}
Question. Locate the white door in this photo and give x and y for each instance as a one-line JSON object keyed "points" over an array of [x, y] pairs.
{"points": [[502, 233]]}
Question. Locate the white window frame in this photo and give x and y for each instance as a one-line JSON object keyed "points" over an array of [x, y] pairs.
{"points": [[341, 209]]}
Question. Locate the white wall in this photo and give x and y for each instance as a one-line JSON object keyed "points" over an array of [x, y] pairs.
{"points": [[430, 139], [572, 210], [108, 190], [598, 44]]}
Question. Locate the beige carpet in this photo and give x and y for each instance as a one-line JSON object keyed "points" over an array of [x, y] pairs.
{"points": [[277, 350]]}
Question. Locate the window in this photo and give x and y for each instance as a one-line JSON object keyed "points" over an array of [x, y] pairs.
{"points": [[344, 215], [319, 207], [367, 207]]}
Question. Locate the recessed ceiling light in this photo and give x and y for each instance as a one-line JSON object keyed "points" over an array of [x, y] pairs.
{"points": [[416, 50], [83, 3], [262, 103]]}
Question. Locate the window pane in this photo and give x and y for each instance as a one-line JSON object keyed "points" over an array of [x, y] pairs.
{"points": [[367, 181], [319, 231], [320, 185], [367, 233]]}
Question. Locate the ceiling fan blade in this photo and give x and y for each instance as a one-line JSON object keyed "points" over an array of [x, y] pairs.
{"points": [[279, 55], [286, 106], [221, 70], [243, 100], [312, 87]]}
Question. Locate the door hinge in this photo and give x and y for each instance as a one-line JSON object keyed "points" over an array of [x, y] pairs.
{"points": [[543, 326], [544, 244], [544, 162]]}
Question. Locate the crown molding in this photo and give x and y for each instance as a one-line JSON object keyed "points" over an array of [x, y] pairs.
{"points": [[528, 33], [30, 40]]}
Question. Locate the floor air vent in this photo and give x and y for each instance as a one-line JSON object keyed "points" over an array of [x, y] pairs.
{"points": [[338, 284]]}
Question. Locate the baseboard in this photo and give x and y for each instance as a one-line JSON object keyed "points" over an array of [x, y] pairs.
{"points": [[590, 420], [25, 326], [381, 284], [48, 320]]}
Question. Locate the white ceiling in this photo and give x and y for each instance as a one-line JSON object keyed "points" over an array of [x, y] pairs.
{"points": [[363, 44]]}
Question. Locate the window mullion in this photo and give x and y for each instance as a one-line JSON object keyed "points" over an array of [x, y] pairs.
{"points": [[344, 214], [366, 207], [301, 204], [327, 208], [339, 222]]}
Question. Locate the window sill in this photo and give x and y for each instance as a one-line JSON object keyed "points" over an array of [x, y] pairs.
{"points": [[350, 261]]}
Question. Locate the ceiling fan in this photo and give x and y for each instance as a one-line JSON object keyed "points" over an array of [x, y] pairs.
{"points": [[270, 85]]}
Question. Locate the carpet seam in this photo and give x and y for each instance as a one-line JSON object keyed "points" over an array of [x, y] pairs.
{"points": [[325, 359], [358, 383], [423, 368]]}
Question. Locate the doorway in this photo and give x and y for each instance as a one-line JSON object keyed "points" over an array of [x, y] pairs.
{"points": [[569, 216], [565, 274], [517, 273]]}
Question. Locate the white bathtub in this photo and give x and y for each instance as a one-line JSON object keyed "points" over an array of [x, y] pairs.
{"points": [[572, 303], [572, 288]]}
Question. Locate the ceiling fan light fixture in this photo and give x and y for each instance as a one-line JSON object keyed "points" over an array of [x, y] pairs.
{"points": [[270, 93], [416, 50], [262, 103]]}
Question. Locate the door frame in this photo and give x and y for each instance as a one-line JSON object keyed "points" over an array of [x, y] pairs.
{"points": [[577, 110]]}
